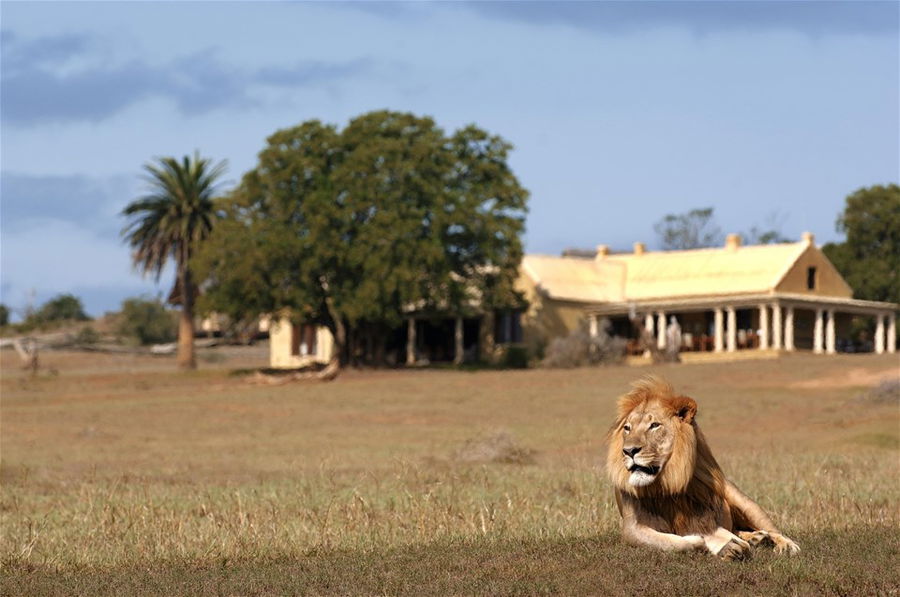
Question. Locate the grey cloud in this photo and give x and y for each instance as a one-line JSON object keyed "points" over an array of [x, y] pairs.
{"points": [[42, 51], [305, 73], [34, 91], [90, 203], [812, 18]]}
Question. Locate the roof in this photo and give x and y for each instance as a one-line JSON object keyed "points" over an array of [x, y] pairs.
{"points": [[720, 271]]}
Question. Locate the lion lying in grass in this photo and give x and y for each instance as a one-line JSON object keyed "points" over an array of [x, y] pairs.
{"points": [[669, 488]]}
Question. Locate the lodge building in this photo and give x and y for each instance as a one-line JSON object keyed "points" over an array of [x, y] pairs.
{"points": [[779, 297], [732, 301]]}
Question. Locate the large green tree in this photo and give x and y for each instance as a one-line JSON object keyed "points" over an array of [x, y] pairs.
{"points": [[869, 258], [170, 222], [350, 228]]}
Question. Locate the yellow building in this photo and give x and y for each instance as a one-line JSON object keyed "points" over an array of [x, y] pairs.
{"points": [[293, 346], [766, 297]]}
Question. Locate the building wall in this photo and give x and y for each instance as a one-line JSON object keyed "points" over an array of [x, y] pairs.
{"points": [[828, 281], [281, 340], [546, 318]]}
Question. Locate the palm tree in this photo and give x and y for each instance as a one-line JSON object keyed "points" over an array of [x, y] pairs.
{"points": [[170, 221]]}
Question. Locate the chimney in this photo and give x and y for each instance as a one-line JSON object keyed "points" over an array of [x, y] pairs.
{"points": [[809, 238], [732, 242], [640, 248], [602, 251]]}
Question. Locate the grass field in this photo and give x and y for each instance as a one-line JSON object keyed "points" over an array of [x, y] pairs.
{"points": [[121, 476]]}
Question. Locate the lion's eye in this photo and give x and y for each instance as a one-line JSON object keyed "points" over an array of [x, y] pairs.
{"points": [[654, 425], [627, 428]]}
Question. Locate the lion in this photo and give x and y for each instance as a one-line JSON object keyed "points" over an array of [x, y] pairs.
{"points": [[670, 490]]}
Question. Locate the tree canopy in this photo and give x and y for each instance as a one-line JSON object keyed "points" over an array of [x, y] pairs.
{"points": [[62, 307], [697, 229], [354, 227], [692, 230], [869, 258]]}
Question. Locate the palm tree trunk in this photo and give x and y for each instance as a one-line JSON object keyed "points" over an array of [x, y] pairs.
{"points": [[186, 358]]}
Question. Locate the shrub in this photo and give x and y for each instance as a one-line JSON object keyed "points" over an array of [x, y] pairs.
{"points": [[146, 321], [86, 335], [499, 446], [515, 356], [4, 314], [63, 307], [579, 348], [886, 392]]}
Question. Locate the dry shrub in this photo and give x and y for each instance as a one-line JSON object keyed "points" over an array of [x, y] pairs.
{"points": [[886, 392], [499, 446], [579, 348]]}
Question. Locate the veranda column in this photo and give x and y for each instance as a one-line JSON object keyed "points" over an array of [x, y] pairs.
{"points": [[829, 333], [817, 333], [592, 325], [458, 336], [648, 325], [661, 330], [732, 329], [720, 334], [777, 327], [763, 327], [789, 329], [411, 341], [892, 333], [879, 333]]}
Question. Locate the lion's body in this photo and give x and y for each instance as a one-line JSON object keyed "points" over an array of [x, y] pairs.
{"points": [[669, 488]]}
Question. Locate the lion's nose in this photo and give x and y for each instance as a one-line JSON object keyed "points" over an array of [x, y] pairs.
{"points": [[631, 451]]}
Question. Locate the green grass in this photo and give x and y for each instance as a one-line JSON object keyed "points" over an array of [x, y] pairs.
{"points": [[122, 477]]}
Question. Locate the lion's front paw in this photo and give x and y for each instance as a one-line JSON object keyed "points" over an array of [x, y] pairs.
{"points": [[784, 544], [757, 538], [735, 549]]}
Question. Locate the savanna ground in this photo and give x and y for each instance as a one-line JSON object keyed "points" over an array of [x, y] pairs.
{"points": [[121, 476]]}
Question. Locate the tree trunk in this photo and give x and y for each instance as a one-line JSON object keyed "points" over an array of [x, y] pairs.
{"points": [[339, 332], [186, 358]]}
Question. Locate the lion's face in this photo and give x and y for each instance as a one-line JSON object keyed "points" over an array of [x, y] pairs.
{"points": [[652, 446], [648, 436]]}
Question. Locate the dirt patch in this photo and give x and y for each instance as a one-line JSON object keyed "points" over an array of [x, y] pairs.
{"points": [[849, 378]]}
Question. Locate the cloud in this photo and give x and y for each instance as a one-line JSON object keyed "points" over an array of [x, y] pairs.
{"points": [[812, 18], [60, 79], [62, 234], [89, 203], [49, 256]]}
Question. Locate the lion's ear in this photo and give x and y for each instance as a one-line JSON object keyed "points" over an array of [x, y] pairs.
{"points": [[685, 408]]}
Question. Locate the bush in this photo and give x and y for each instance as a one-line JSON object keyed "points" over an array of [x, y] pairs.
{"points": [[146, 321], [499, 446], [63, 307], [515, 356], [886, 392], [86, 335], [4, 314], [579, 349]]}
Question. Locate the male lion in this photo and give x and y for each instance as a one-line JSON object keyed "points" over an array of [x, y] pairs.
{"points": [[670, 490]]}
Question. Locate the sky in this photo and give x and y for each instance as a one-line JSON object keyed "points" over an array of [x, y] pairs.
{"points": [[619, 113]]}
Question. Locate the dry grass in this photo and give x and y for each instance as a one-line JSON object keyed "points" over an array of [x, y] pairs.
{"points": [[120, 476]]}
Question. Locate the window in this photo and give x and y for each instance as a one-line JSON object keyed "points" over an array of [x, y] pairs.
{"points": [[810, 278], [303, 339], [507, 327]]}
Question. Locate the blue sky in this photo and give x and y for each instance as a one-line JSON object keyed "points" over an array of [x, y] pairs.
{"points": [[619, 112]]}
